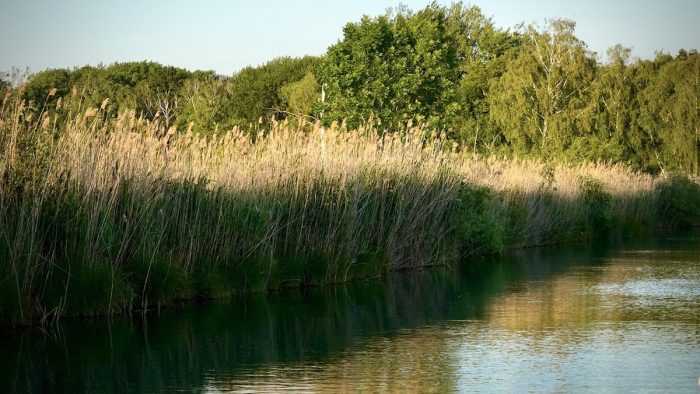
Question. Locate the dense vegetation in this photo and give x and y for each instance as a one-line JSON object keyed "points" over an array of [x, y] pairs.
{"points": [[198, 100], [101, 214], [135, 185], [534, 91]]}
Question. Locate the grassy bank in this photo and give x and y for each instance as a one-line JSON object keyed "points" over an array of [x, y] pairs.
{"points": [[103, 215]]}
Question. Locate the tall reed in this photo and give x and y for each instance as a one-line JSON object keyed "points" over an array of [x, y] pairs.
{"points": [[100, 215]]}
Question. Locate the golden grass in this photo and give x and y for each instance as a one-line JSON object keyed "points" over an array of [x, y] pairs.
{"points": [[155, 215]]}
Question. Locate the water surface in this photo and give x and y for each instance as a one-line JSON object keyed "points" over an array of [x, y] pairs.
{"points": [[614, 317]]}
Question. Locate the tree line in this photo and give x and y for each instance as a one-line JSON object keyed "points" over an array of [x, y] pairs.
{"points": [[534, 91], [197, 100]]}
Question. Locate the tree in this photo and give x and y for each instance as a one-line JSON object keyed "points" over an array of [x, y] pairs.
{"points": [[673, 113], [149, 88], [205, 104], [610, 119], [39, 86], [255, 91], [540, 100], [483, 52], [301, 97], [392, 68]]}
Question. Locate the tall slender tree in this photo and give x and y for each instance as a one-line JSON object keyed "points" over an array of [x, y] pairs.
{"points": [[540, 101], [672, 104]]}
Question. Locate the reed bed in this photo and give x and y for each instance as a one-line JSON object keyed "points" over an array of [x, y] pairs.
{"points": [[102, 214]]}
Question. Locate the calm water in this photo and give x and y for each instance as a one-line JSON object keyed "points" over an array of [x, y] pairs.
{"points": [[596, 318]]}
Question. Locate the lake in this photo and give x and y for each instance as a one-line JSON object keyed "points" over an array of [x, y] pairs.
{"points": [[620, 316]]}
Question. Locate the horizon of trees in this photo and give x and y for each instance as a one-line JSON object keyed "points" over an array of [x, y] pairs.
{"points": [[536, 91]]}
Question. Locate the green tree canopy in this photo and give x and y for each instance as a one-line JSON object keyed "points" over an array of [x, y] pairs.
{"points": [[255, 91], [483, 53], [608, 123], [392, 68], [204, 104], [147, 87], [301, 97], [432, 66], [673, 114], [37, 89], [540, 101], [535, 91]]}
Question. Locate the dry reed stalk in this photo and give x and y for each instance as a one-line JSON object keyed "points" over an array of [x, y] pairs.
{"points": [[190, 204]]}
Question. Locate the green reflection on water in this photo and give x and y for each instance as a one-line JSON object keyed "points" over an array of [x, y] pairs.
{"points": [[541, 319]]}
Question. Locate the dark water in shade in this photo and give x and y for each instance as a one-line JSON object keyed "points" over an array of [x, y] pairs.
{"points": [[618, 317]]}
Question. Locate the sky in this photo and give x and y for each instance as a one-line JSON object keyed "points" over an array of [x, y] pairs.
{"points": [[226, 36]]}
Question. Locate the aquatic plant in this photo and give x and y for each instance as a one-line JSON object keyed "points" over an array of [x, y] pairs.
{"points": [[100, 215]]}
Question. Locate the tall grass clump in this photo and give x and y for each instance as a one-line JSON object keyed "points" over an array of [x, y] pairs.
{"points": [[679, 202], [102, 214]]}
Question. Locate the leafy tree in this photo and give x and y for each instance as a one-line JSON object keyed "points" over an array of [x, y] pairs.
{"points": [[537, 92], [483, 52], [643, 132], [147, 87], [432, 67], [204, 104], [540, 100], [93, 85], [392, 68], [673, 114], [39, 86], [301, 97], [611, 114], [255, 91]]}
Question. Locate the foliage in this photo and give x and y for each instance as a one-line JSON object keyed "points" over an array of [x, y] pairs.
{"points": [[301, 97], [608, 122], [536, 92], [147, 87], [597, 202], [478, 232], [204, 105], [431, 67], [539, 101], [483, 52], [200, 101], [673, 115], [679, 202], [37, 90], [392, 68], [255, 91], [101, 214]]}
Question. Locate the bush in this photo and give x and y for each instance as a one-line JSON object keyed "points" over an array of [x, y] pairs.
{"points": [[679, 202], [476, 231], [597, 202]]}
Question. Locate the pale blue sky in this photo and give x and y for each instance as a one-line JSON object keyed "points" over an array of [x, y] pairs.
{"points": [[227, 35]]}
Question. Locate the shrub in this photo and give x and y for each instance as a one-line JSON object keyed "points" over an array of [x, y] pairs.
{"points": [[679, 202], [597, 202]]}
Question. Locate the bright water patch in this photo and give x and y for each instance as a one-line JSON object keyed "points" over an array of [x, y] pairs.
{"points": [[655, 290]]}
